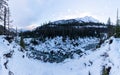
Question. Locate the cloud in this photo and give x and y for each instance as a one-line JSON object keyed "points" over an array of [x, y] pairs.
{"points": [[24, 12], [20, 11], [34, 12], [76, 14]]}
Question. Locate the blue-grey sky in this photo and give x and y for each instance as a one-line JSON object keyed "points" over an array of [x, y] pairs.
{"points": [[31, 13]]}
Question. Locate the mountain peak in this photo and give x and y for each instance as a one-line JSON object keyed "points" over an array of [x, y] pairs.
{"points": [[80, 20], [87, 19]]}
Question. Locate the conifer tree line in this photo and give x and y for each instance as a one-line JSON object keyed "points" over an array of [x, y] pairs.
{"points": [[72, 30]]}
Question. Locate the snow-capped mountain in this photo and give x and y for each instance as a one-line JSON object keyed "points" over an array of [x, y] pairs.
{"points": [[79, 20], [87, 19]]}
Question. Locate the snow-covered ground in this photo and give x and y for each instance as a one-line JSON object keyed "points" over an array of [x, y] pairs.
{"points": [[57, 43], [91, 63], [58, 49]]}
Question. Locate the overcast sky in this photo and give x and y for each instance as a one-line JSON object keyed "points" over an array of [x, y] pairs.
{"points": [[31, 13]]}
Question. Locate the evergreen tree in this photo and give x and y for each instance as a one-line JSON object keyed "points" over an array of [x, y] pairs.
{"points": [[109, 21], [22, 44], [117, 31], [117, 28], [110, 28]]}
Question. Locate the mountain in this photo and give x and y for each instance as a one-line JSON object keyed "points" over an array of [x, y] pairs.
{"points": [[79, 20], [87, 19], [79, 27]]}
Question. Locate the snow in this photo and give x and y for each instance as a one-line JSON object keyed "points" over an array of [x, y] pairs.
{"points": [[87, 19], [89, 26], [92, 62], [80, 20], [57, 43]]}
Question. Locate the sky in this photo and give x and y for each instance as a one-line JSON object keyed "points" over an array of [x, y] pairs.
{"points": [[28, 14]]}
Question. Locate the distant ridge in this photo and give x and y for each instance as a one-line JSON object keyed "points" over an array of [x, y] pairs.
{"points": [[79, 20]]}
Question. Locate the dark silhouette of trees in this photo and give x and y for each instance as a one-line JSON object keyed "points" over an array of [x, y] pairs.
{"points": [[72, 30]]}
